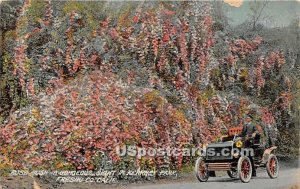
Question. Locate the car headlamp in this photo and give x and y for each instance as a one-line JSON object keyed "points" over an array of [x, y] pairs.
{"points": [[239, 144], [236, 155]]}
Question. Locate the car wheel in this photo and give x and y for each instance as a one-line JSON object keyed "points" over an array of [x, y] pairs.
{"points": [[272, 166], [201, 170], [244, 169], [232, 174]]}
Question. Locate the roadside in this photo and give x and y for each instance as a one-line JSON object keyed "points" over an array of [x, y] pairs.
{"points": [[287, 179]]}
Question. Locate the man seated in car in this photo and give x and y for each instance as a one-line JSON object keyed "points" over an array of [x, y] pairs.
{"points": [[249, 131]]}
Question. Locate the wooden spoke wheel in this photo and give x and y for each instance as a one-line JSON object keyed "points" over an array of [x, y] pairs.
{"points": [[244, 169], [201, 170]]}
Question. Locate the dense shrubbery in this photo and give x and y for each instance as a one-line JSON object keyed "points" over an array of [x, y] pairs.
{"points": [[155, 74]]}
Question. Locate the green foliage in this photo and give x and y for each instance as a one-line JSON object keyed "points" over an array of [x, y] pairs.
{"points": [[244, 74], [153, 98], [36, 10], [296, 102], [177, 101], [269, 92], [10, 35], [123, 15], [74, 6], [216, 73], [91, 11], [206, 95], [8, 15], [6, 62], [188, 168]]}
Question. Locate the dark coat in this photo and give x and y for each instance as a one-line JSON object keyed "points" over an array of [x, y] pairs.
{"points": [[248, 129]]}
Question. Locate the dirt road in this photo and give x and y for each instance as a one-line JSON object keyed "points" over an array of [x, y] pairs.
{"points": [[288, 178]]}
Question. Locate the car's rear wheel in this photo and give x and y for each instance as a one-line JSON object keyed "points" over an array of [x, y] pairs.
{"points": [[232, 173], [244, 169], [272, 166], [201, 170]]}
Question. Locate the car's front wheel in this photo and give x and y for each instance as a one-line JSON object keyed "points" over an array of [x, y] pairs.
{"points": [[244, 169], [201, 170]]}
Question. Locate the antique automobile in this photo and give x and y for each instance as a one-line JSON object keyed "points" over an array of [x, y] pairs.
{"points": [[242, 156]]}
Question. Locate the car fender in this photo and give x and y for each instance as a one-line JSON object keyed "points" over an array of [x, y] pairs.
{"points": [[267, 153]]}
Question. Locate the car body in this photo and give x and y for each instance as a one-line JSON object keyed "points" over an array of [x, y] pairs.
{"points": [[239, 156]]}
